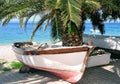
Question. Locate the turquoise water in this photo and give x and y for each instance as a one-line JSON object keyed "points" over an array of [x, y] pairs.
{"points": [[13, 33], [111, 29]]}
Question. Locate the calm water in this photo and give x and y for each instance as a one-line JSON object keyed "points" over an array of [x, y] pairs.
{"points": [[111, 29], [13, 33]]}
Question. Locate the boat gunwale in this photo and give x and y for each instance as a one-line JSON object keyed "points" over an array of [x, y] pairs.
{"points": [[50, 51], [60, 50]]}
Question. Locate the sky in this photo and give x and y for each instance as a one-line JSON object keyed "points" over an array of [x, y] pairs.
{"points": [[30, 20], [38, 17]]}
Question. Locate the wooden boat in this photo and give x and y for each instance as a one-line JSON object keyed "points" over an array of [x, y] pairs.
{"points": [[107, 42], [66, 62]]}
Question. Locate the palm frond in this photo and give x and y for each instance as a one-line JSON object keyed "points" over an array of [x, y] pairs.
{"points": [[50, 4], [46, 24], [19, 7], [40, 22], [90, 6], [57, 26], [71, 12]]}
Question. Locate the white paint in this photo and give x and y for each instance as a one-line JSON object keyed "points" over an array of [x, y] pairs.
{"points": [[103, 41], [69, 61], [98, 60]]}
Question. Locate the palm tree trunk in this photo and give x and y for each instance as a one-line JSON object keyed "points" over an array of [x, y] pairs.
{"points": [[72, 40], [76, 37]]}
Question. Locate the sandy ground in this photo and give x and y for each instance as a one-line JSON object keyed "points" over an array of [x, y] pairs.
{"points": [[6, 53]]}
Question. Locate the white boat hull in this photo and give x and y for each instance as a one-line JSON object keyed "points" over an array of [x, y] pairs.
{"points": [[98, 60], [70, 66], [57, 61], [107, 42]]}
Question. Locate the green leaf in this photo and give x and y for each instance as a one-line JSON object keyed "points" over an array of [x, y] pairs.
{"points": [[71, 12]]}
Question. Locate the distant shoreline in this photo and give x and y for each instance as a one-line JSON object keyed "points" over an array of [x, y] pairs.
{"points": [[13, 33]]}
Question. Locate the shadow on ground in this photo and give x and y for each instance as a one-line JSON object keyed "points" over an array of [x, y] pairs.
{"points": [[109, 74], [14, 77]]}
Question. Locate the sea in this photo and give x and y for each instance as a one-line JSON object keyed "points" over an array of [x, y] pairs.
{"points": [[12, 32]]}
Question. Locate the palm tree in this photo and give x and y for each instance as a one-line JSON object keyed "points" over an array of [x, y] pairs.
{"points": [[66, 17]]}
